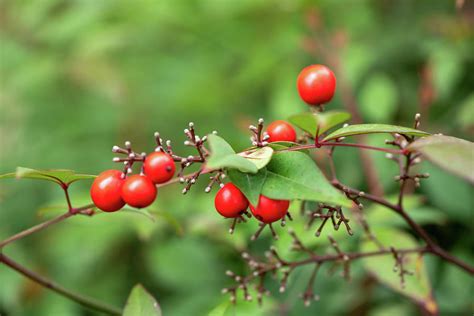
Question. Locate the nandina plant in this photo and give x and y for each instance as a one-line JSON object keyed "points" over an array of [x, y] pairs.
{"points": [[260, 183]]}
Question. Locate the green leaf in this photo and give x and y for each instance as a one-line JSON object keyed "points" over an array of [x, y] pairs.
{"points": [[223, 156], [378, 99], [465, 114], [417, 286], [141, 303], [60, 176], [377, 216], [284, 145], [309, 122], [260, 157], [139, 211], [450, 153], [294, 175], [359, 129], [250, 184], [170, 219], [221, 309]]}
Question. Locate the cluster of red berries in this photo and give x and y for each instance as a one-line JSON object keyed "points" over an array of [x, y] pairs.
{"points": [[230, 202], [112, 189]]}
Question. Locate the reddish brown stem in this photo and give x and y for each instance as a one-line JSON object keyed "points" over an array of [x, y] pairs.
{"points": [[35, 229], [332, 144], [432, 247], [83, 300]]}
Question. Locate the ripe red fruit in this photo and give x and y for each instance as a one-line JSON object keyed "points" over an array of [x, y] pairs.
{"points": [[316, 84], [269, 210], [230, 201], [138, 191], [281, 131], [159, 167], [106, 191]]}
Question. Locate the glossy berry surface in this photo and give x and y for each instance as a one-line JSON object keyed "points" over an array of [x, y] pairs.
{"points": [[281, 131], [106, 191], [138, 191], [316, 84], [230, 201], [159, 167], [269, 210]]}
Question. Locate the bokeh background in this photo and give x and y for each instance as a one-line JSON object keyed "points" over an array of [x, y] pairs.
{"points": [[80, 76]]}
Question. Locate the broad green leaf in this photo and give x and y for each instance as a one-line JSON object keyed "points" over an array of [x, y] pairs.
{"points": [[450, 153], [260, 157], [294, 175], [309, 122], [223, 156], [417, 286], [141, 303], [359, 129], [56, 175], [250, 184]]}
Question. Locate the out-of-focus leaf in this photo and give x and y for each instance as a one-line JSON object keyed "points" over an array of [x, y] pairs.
{"points": [[446, 63], [250, 184], [449, 193], [244, 308], [450, 153], [60, 176], [465, 115], [391, 309], [294, 175], [170, 219], [141, 303], [309, 122], [378, 216], [378, 99], [223, 156], [260, 157], [140, 211], [417, 286], [359, 129], [221, 309]]}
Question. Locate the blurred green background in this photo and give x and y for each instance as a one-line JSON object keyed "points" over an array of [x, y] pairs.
{"points": [[80, 76]]}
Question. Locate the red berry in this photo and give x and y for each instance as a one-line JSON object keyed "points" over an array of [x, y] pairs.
{"points": [[281, 131], [138, 191], [106, 191], [316, 84], [230, 201], [269, 210], [159, 167]]}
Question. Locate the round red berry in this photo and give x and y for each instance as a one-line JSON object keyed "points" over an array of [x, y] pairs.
{"points": [[138, 191], [316, 84], [281, 131], [269, 210], [230, 201], [106, 191], [159, 167]]}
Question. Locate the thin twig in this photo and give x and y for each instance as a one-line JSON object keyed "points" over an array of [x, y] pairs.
{"points": [[83, 300], [35, 229]]}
